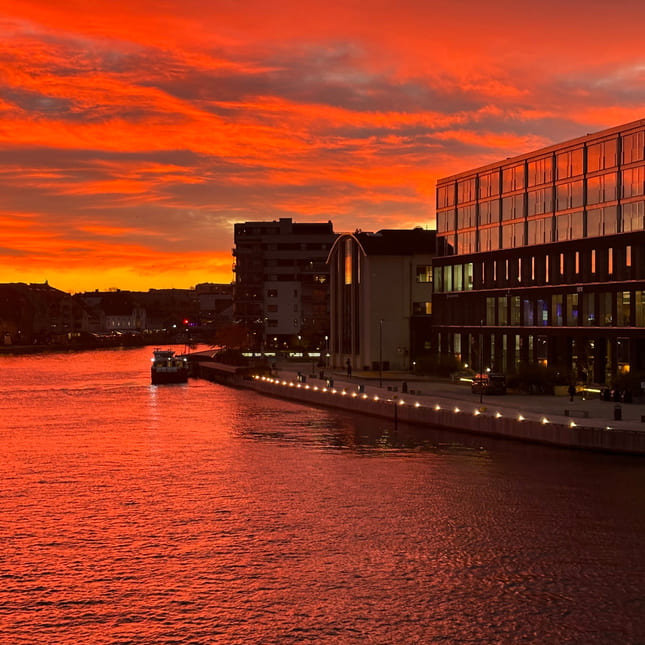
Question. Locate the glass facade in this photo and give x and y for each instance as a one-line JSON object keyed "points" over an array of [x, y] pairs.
{"points": [[548, 250], [591, 189]]}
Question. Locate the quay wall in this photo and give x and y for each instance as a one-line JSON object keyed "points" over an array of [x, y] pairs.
{"points": [[439, 413], [451, 418]]}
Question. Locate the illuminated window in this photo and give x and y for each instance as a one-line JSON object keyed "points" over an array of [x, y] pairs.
{"points": [[577, 261], [546, 269], [424, 273], [628, 256], [623, 308], [593, 260], [561, 263], [422, 308], [610, 261], [348, 261]]}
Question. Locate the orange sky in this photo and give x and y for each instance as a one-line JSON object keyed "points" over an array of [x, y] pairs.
{"points": [[133, 135]]}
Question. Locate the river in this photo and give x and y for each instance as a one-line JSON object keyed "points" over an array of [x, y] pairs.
{"points": [[132, 513]]}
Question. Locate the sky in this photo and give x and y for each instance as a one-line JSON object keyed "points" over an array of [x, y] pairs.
{"points": [[134, 135]]}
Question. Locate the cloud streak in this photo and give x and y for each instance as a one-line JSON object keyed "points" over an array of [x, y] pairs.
{"points": [[132, 137]]}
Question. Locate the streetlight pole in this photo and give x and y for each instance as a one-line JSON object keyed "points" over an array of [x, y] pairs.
{"points": [[481, 362], [380, 353]]}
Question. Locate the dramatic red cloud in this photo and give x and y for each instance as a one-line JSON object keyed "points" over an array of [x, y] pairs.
{"points": [[134, 135]]}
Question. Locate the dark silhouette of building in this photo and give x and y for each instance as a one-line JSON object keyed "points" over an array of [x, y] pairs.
{"points": [[281, 292]]}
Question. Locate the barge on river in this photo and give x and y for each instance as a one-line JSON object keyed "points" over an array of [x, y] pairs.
{"points": [[168, 368]]}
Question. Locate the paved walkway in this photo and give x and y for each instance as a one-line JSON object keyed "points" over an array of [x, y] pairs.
{"points": [[590, 411]]}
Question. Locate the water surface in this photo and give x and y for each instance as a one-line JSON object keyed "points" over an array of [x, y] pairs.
{"points": [[203, 514]]}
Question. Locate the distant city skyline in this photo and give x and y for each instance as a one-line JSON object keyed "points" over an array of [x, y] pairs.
{"points": [[133, 137]]}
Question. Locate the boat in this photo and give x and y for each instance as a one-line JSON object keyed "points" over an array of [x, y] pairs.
{"points": [[167, 367]]}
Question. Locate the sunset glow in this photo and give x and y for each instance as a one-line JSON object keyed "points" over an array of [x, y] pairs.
{"points": [[134, 135]]}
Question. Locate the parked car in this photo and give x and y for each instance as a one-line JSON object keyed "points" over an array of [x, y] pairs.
{"points": [[491, 383]]}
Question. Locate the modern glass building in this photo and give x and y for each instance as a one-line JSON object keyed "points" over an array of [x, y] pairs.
{"points": [[547, 261]]}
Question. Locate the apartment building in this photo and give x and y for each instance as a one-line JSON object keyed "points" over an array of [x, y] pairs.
{"points": [[281, 290]]}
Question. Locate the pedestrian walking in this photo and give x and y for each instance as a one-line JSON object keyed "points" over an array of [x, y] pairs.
{"points": [[349, 368]]}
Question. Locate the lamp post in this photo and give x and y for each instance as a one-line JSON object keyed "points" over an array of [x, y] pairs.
{"points": [[380, 353], [481, 362]]}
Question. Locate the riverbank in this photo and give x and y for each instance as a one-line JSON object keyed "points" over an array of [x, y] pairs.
{"points": [[585, 423]]}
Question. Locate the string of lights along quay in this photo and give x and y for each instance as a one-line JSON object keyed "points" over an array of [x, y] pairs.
{"points": [[198, 513]]}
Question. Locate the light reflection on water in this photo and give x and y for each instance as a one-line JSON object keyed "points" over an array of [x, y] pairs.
{"points": [[200, 514]]}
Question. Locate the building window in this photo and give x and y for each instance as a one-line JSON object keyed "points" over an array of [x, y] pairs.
{"points": [[515, 311], [593, 260], [633, 182], [466, 190], [601, 155], [542, 312], [424, 273], [577, 262], [572, 309], [490, 311], [628, 256], [489, 184], [513, 178], [447, 278], [601, 189], [589, 301], [640, 308], [561, 264], [547, 275], [556, 310], [348, 261], [446, 196], [633, 147], [623, 308], [610, 261], [632, 217], [422, 308], [272, 293], [272, 308], [458, 277], [502, 310], [605, 313], [468, 276], [569, 163], [540, 171], [438, 282]]}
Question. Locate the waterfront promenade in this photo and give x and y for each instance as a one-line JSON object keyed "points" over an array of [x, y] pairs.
{"points": [[587, 422], [588, 410]]}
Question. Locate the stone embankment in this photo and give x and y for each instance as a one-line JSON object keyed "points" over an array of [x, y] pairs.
{"points": [[546, 420]]}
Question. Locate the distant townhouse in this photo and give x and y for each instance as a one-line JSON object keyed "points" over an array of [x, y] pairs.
{"points": [[381, 298], [281, 290], [548, 259]]}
